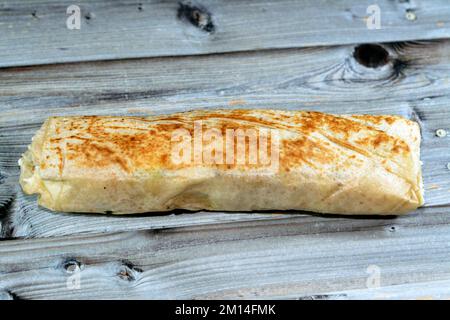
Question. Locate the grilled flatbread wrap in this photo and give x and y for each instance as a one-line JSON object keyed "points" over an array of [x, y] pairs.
{"points": [[346, 164]]}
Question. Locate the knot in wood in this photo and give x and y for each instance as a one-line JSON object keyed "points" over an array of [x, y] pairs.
{"points": [[197, 16], [72, 266], [128, 271], [371, 55]]}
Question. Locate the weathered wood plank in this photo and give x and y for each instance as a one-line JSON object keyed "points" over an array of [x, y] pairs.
{"points": [[431, 290], [307, 78], [35, 32], [326, 79], [301, 257]]}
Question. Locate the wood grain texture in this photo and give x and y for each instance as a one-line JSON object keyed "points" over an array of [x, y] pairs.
{"points": [[290, 258], [414, 83], [35, 32]]}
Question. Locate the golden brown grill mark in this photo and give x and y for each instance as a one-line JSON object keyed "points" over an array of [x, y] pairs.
{"points": [[60, 159], [305, 151], [376, 119], [100, 156], [308, 122], [132, 142]]}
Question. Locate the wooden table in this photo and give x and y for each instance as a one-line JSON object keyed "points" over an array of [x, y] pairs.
{"points": [[140, 58]]}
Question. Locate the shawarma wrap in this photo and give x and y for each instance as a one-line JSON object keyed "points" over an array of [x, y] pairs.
{"points": [[346, 164]]}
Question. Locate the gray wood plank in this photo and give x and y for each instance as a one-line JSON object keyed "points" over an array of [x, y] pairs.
{"points": [[302, 257], [35, 32], [414, 83], [431, 290]]}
